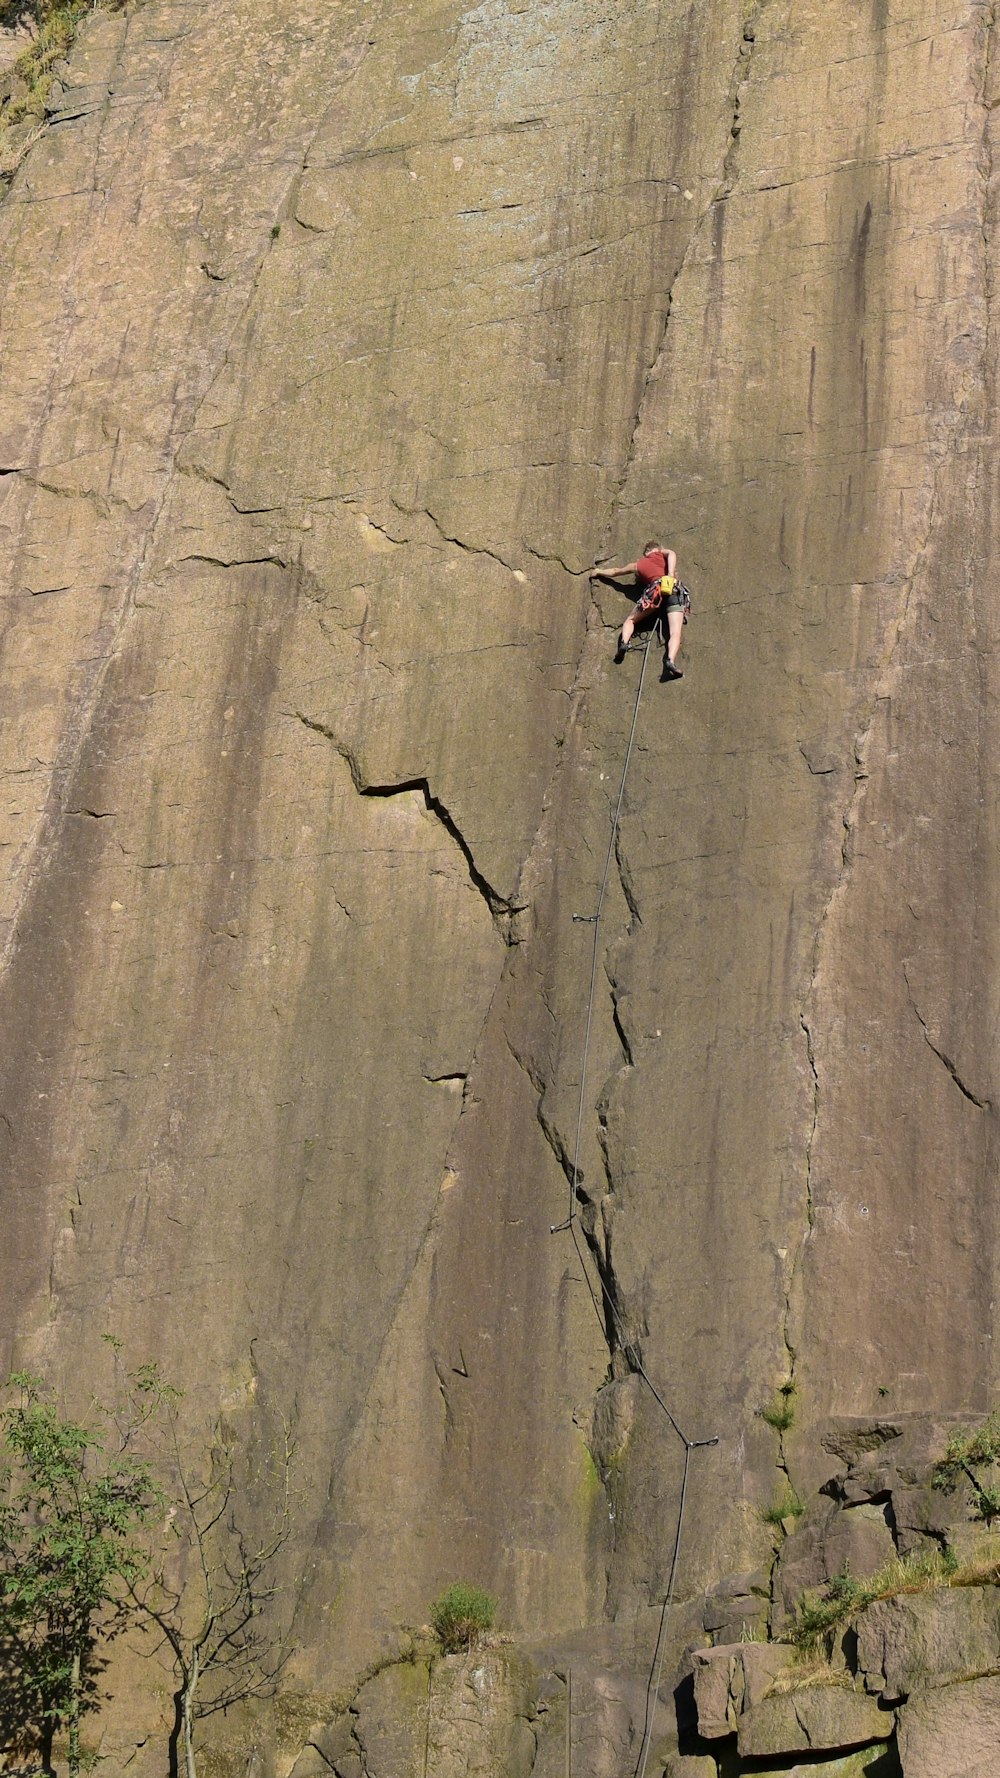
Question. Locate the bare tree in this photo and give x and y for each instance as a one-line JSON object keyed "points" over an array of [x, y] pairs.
{"points": [[212, 1594]]}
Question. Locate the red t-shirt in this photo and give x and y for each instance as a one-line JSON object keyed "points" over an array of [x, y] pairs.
{"points": [[651, 568]]}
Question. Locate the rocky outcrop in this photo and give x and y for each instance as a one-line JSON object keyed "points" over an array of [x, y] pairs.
{"points": [[902, 1679], [934, 1697], [471, 1714], [338, 342]]}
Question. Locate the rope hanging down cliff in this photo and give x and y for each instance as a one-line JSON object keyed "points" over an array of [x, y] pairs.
{"points": [[627, 1345]]}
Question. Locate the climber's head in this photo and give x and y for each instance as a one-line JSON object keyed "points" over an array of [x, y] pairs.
{"points": [[651, 546]]}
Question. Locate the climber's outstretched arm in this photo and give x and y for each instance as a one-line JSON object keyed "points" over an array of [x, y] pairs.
{"points": [[609, 573]]}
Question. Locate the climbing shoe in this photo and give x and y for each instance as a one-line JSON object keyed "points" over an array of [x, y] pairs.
{"points": [[620, 652], [670, 672]]}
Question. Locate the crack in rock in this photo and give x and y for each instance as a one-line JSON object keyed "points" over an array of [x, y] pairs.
{"points": [[850, 819], [623, 1037], [474, 549], [236, 561], [942, 1056], [549, 1130], [502, 908], [737, 87], [737, 84]]}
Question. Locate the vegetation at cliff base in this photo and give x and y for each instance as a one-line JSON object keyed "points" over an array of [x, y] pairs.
{"points": [[132, 1519], [462, 1614], [210, 1590], [73, 1501]]}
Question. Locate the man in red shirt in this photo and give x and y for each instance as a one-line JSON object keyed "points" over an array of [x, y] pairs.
{"points": [[656, 573]]}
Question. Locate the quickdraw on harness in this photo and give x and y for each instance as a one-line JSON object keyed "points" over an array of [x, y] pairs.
{"points": [[662, 590]]}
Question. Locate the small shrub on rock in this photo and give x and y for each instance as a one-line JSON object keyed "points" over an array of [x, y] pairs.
{"points": [[964, 1454], [843, 1597], [461, 1615], [779, 1412]]}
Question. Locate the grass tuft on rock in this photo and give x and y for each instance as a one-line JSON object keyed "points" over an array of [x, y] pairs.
{"points": [[787, 1506], [53, 25], [920, 1572], [461, 1615], [779, 1412]]}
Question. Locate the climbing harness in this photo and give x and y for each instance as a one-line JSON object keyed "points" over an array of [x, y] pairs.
{"points": [[659, 593], [602, 1291]]}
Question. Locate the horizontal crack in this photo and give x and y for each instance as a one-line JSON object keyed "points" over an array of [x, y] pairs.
{"points": [[235, 561]]}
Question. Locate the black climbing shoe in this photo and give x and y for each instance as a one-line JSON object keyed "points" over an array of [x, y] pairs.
{"points": [[620, 652], [670, 672]]}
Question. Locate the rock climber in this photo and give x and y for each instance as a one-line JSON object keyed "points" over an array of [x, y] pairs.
{"points": [[655, 566]]}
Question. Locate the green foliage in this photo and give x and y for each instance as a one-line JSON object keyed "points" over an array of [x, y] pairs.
{"points": [[788, 1506], [54, 24], [461, 1615], [964, 1453], [72, 1501], [779, 1412], [981, 1445], [817, 1616]]}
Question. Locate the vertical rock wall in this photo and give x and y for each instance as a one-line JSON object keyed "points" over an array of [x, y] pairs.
{"points": [[337, 343]]}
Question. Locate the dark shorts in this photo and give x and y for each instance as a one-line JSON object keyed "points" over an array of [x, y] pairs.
{"points": [[652, 603]]}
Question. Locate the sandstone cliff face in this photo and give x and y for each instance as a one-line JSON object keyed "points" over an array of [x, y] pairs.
{"points": [[338, 341]]}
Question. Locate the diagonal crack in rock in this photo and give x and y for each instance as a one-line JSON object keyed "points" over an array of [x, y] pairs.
{"points": [[942, 1056], [502, 908]]}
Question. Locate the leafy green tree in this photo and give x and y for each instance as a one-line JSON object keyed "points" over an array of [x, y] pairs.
{"points": [[73, 1502]]}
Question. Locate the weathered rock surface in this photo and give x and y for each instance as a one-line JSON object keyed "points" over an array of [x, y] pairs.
{"points": [[878, 1762], [338, 341], [736, 1604], [752, 1690], [812, 1716], [472, 1714], [929, 1639], [730, 1681], [951, 1733]]}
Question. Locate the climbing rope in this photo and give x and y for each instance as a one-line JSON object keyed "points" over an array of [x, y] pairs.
{"points": [[595, 921], [626, 1344], [656, 1670]]}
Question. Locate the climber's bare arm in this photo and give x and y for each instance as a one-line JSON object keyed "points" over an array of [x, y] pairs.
{"points": [[602, 572], [671, 564]]}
